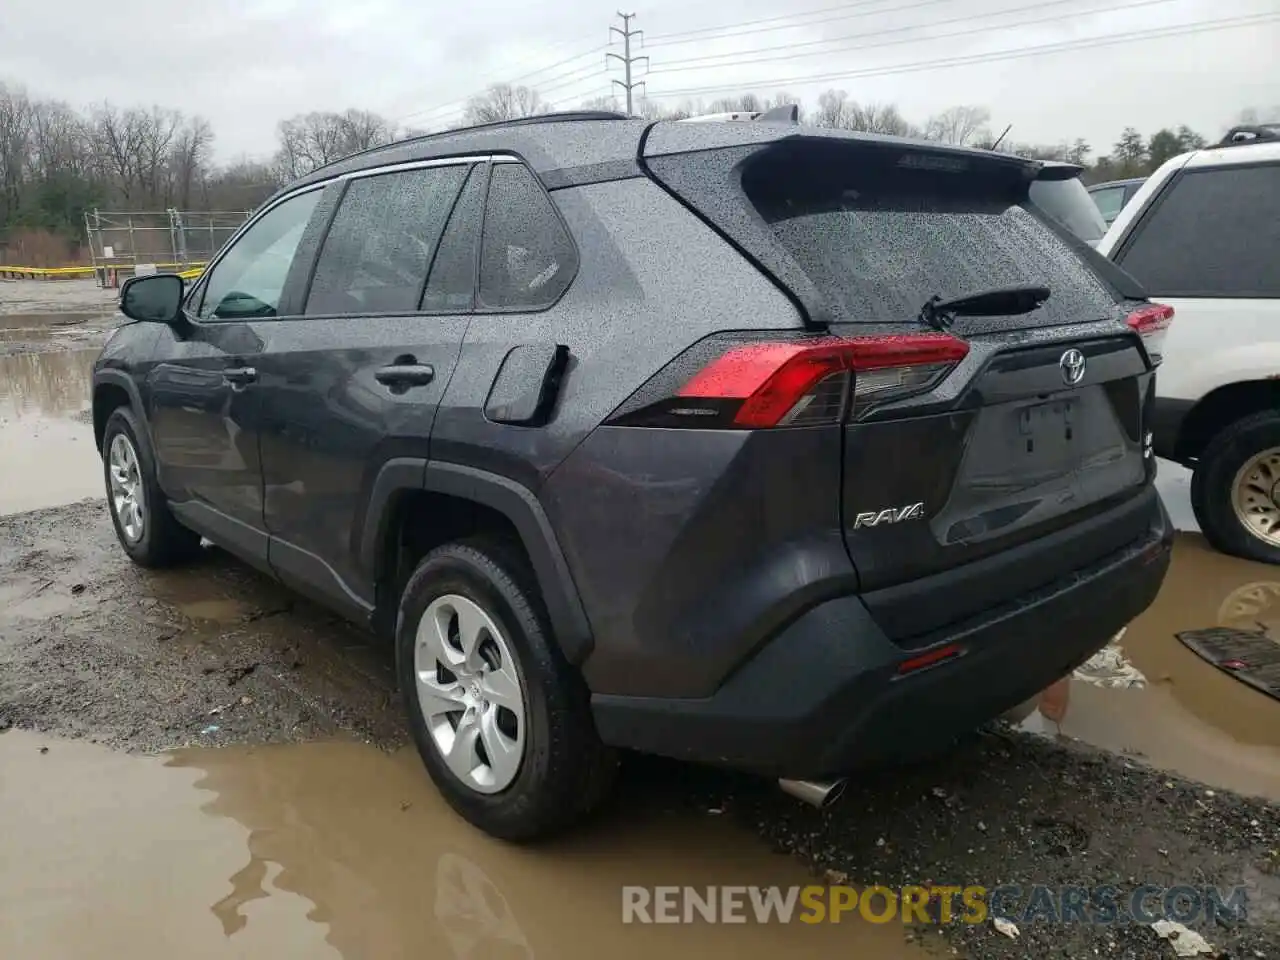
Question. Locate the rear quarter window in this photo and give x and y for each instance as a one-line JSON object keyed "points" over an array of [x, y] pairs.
{"points": [[1213, 232], [527, 258]]}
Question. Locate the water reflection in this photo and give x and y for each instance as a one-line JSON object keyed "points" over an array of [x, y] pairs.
{"points": [[1187, 715], [45, 384], [45, 431], [392, 872]]}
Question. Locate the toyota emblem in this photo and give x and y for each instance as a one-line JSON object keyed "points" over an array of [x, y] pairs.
{"points": [[1072, 364]]}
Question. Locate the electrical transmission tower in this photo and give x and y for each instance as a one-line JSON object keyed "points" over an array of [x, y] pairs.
{"points": [[626, 59]]}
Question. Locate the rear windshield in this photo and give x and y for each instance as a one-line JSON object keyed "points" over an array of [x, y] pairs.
{"points": [[1068, 202], [879, 238]]}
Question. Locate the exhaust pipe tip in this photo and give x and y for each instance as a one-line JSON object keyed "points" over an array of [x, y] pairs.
{"points": [[816, 793]]}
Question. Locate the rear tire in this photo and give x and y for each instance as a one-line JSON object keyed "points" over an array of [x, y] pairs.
{"points": [[485, 588], [144, 525], [1235, 489]]}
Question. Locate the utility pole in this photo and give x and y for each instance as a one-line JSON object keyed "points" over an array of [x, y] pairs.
{"points": [[626, 59]]}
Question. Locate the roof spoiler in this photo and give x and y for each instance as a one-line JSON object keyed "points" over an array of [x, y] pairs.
{"points": [[787, 113], [1059, 170]]}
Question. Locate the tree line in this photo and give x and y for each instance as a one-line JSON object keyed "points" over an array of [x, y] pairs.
{"points": [[57, 162]]}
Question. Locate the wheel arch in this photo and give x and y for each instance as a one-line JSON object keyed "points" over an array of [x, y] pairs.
{"points": [[112, 389], [400, 479], [1220, 407]]}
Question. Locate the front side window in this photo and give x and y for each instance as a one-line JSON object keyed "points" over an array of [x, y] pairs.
{"points": [[248, 282], [382, 240], [1215, 234], [527, 258]]}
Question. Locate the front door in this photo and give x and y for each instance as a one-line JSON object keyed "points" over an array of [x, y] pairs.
{"points": [[204, 404], [356, 381]]}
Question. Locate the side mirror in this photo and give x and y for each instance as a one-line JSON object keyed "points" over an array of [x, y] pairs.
{"points": [[155, 299]]}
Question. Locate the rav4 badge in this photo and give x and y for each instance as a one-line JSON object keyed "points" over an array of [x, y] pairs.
{"points": [[874, 518]]}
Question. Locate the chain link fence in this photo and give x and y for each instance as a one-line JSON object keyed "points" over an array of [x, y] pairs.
{"points": [[171, 240]]}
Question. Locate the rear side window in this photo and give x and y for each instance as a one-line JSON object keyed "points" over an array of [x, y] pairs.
{"points": [[381, 241], [527, 258], [1215, 233], [1068, 202], [879, 238]]}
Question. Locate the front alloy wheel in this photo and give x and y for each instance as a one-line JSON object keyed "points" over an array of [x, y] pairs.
{"points": [[128, 495]]}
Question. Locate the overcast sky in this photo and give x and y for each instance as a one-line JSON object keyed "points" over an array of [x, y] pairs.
{"points": [[245, 65]]}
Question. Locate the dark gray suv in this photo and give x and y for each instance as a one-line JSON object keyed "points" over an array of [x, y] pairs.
{"points": [[788, 450]]}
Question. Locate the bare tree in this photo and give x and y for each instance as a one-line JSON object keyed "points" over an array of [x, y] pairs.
{"points": [[117, 147], [156, 130], [601, 103], [833, 106], [15, 147], [188, 160], [502, 101], [312, 140], [878, 118], [961, 126], [745, 103]]}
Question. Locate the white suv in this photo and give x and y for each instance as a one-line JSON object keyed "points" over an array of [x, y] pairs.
{"points": [[1203, 236]]}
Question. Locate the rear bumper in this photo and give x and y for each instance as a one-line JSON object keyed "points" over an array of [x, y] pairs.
{"points": [[824, 696]]}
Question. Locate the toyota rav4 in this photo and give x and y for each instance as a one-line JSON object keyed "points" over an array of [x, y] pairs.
{"points": [[783, 449]]}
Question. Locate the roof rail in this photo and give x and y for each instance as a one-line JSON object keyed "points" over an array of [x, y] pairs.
{"points": [[786, 113], [560, 116], [1250, 133]]}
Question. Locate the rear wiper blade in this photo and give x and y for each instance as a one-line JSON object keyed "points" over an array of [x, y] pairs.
{"points": [[1001, 302]]}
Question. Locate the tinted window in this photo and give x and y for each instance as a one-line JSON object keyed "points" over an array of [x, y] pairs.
{"points": [[1067, 201], [1109, 201], [878, 238], [1216, 233], [527, 258], [451, 285], [376, 254], [249, 280]]}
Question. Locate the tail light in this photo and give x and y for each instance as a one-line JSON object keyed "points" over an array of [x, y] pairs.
{"points": [[749, 384], [1152, 324]]}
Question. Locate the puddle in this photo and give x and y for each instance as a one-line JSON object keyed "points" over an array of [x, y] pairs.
{"points": [[49, 456], [340, 850], [1189, 716], [19, 327]]}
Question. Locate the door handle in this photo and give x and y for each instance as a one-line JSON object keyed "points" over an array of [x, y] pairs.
{"points": [[405, 375], [240, 376]]}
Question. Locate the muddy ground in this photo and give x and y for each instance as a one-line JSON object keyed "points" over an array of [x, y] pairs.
{"points": [[199, 762]]}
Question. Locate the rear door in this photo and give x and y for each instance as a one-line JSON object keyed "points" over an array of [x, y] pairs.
{"points": [[1209, 246], [357, 379]]}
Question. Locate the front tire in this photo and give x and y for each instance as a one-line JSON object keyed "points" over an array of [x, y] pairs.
{"points": [[144, 525], [501, 720], [1235, 489]]}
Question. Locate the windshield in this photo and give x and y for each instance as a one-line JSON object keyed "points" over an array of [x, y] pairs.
{"points": [[1068, 202]]}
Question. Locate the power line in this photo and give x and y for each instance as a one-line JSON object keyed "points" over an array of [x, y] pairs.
{"points": [[515, 80], [1203, 26], [672, 38], [736, 59]]}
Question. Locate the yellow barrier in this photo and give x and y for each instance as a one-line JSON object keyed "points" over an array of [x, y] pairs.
{"points": [[55, 273]]}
